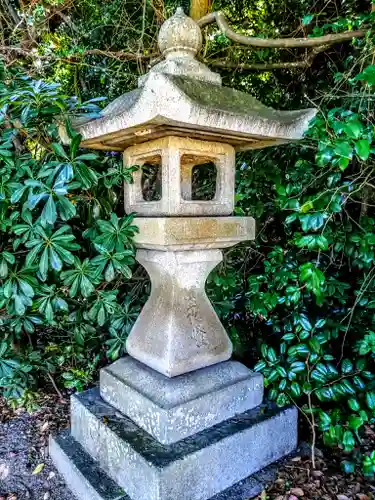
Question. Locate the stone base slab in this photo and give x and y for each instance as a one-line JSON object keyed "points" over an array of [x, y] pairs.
{"points": [[88, 481], [82, 474], [171, 409], [196, 468]]}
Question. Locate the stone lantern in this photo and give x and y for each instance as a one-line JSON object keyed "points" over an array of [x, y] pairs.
{"points": [[176, 419]]}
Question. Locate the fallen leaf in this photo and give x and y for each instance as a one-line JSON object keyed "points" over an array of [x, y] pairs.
{"points": [[46, 495], [297, 492], [317, 473], [4, 471], [44, 426], [51, 475], [362, 496], [292, 497], [296, 459], [38, 469], [342, 497]]}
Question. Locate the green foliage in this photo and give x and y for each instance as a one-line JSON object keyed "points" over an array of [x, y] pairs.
{"points": [[298, 304], [66, 257], [310, 279]]}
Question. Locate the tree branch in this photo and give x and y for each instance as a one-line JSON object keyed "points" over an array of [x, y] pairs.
{"points": [[11, 12], [115, 55], [303, 63], [277, 43]]}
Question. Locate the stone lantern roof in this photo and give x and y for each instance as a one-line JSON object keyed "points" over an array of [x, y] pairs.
{"points": [[181, 96]]}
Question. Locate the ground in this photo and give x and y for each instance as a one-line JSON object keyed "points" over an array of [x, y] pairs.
{"points": [[26, 472]]}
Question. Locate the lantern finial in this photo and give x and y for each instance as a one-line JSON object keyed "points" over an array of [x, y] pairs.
{"points": [[180, 36], [180, 40]]}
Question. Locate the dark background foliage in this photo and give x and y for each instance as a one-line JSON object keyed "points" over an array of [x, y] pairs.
{"points": [[298, 302]]}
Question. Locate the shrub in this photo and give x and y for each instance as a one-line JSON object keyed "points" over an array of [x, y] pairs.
{"points": [[308, 286], [65, 255], [300, 301]]}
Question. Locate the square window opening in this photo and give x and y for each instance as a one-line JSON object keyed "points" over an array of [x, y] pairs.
{"points": [[151, 179], [198, 179]]}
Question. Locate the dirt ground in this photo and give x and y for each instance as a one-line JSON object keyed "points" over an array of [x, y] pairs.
{"points": [[26, 472]]}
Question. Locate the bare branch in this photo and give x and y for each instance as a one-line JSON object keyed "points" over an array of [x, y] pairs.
{"points": [[277, 43], [11, 12], [74, 57], [208, 19], [303, 63]]}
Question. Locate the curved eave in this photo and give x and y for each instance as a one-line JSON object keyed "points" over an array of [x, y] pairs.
{"points": [[167, 105]]}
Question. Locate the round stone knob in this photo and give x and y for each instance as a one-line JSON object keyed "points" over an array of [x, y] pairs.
{"points": [[180, 34]]}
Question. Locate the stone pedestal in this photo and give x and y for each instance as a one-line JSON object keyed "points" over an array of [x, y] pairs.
{"points": [[178, 330], [189, 438], [175, 419], [173, 409]]}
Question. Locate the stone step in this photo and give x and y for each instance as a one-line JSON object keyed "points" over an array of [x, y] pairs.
{"points": [[83, 474], [196, 468], [88, 481], [171, 409]]}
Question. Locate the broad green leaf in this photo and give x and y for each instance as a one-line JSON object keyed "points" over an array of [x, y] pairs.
{"points": [[324, 421], [26, 288], [59, 150], [362, 148], [348, 441], [43, 264], [19, 305], [346, 366], [87, 287], [370, 400], [295, 389], [109, 273], [49, 213], [298, 366], [17, 194], [54, 259], [307, 19], [343, 149], [260, 366], [355, 422], [87, 156], [353, 128], [271, 355]]}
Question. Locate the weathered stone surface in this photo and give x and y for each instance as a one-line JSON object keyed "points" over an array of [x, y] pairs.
{"points": [[180, 39], [173, 409], [178, 155], [88, 482], [83, 475], [178, 330], [183, 106], [195, 468], [182, 96], [192, 233], [249, 487]]}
